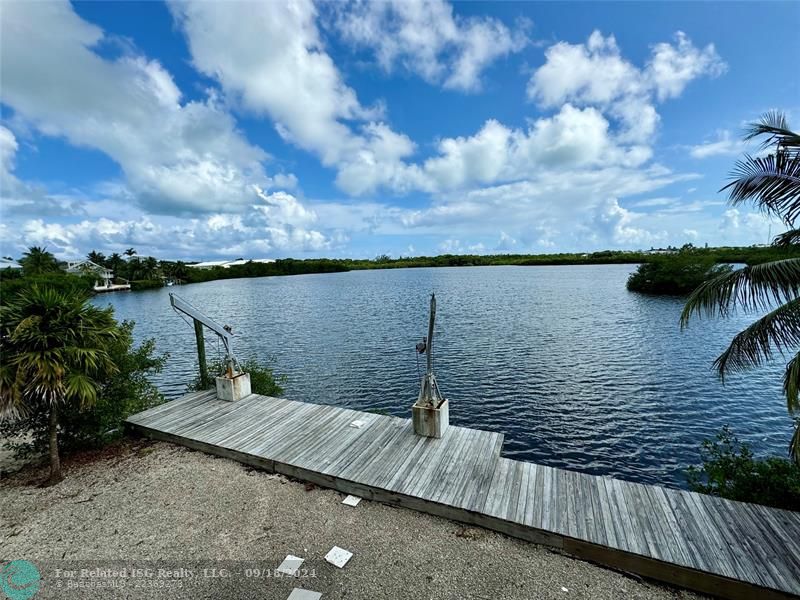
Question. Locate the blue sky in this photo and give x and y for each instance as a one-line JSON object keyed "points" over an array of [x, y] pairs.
{"points": [[273, 129]]}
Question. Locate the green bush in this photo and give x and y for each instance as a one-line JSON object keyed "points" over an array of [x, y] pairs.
{"points": [[146, 284], [127, 392], [12, 283], [262, 378], [674, 274], [729, 470]]}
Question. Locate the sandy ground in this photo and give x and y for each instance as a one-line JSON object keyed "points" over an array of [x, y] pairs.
{"points": [[197, 526]]}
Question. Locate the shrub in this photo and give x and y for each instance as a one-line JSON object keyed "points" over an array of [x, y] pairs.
{"points": [[123, 394], [11, 284], [729, 470], [262, 378], [146, 284], [675, 274]]}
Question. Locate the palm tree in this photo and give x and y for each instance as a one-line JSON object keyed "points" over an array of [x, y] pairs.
{"points": [[150, 267], [97, 258], [130, 252], [38, 260], [133, 268], [179, 270], [116, 264], [54, 346], [772, 183]]}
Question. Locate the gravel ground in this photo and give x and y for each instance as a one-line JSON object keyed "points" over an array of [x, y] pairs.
{"points": [[150, 506]]}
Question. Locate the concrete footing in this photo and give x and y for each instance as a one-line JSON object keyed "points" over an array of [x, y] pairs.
{"points": [[234, 388], [431, 422]]}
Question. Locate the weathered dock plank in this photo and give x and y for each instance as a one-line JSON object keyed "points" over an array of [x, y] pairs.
{"points": [[708, 544]]}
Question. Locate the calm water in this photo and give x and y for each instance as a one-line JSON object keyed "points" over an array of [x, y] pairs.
{"points": [[573, 369]]}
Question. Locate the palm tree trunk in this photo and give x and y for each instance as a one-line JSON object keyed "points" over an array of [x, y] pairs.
{"points": [[55, 461]]}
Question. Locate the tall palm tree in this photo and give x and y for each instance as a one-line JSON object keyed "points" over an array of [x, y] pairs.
{"points": [[54, 346], [97, 258], [130, 252], [38, 260], [772, 183], [179, 270], [116, 264], [150, 267]]}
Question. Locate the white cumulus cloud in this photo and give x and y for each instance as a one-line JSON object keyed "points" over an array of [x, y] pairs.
{"points": [[426, 38], [276, 224], [596, 74], [177, 155], [192, 185], [271, 58], [673, 66]]}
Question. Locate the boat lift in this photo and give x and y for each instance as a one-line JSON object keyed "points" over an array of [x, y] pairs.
{"points": [[233, 371], [431, 412], [429, 394]]}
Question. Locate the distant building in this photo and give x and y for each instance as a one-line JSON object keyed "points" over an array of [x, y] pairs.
{"points": [[226, 264], [7, 263], [208, 264], [105, 277]]}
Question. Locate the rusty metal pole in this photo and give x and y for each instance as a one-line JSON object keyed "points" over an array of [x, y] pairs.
{"points": [[201, 354]]}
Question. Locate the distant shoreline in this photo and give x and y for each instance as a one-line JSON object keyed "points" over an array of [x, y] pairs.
{"points": [[290, 266]]}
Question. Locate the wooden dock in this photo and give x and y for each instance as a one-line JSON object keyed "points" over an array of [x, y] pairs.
{"points": [[708, 544]]}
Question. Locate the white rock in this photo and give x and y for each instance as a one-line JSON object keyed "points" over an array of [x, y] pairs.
{"points": [[338, 557], [290, 565], [301, 594]]}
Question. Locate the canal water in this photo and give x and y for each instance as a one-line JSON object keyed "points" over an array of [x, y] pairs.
{"points": [[576, 371]]}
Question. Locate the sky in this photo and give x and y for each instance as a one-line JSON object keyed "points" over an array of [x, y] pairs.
{"points": [[207, 130]]}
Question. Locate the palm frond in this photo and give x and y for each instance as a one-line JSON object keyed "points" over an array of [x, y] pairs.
{"points": [[755, 287], [794, 445], [778, 331], [82, 388], [11, 405], [791, 384], [787, 238], [772, 182], [773, 124]]}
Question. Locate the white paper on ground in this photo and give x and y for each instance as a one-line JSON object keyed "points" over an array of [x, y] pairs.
{"points": [[351, 500], [357, 424], [290, 565], [338, 556], [301, 594]]}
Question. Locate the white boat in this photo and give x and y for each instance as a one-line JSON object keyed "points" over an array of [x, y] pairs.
{"points": [[111, 287]]}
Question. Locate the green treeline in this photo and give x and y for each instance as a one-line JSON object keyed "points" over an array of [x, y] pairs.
{"points": [[290, 266], [285, 266], [149, 272]]}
